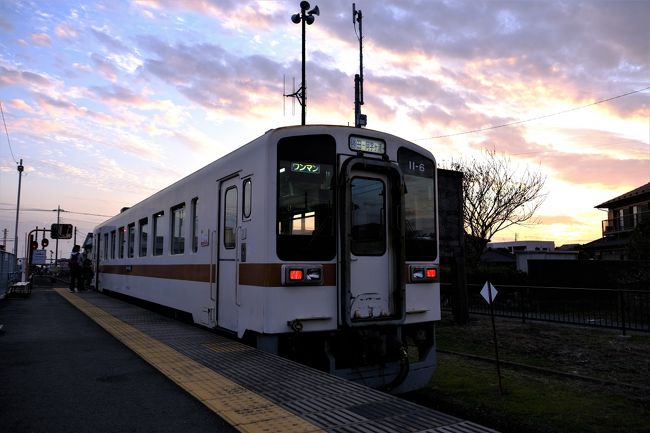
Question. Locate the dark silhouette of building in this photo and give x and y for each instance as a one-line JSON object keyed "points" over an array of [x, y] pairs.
{"points": [[624, 213]]}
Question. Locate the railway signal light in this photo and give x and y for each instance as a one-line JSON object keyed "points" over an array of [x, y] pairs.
{"points": [[61, 231]]}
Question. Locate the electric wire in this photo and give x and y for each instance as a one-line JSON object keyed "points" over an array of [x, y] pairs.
{"points": [[7, 133], [55, 210], [532, 119]]}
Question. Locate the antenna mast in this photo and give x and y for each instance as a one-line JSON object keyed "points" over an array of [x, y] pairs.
{"points": [[305, 17], [360, 120]]}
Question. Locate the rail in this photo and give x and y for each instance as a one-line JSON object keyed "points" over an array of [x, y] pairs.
{"points": [[608, 308], [623, 223]]}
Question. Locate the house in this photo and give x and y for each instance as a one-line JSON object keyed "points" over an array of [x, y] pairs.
{"points": [[516, 246], [521, 252], [624, 213]]}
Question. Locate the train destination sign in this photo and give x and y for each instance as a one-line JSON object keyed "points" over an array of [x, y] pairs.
{"points": [[367, 145], [305, 167]]}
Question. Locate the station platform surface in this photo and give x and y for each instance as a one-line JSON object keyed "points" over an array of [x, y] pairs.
{"points": [[60, 372]]}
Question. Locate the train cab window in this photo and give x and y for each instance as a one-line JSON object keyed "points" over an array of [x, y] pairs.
{"points": [[143, 237], [230, 218], [420, 205], [130, 244], [113, 243], [195, 224], [247, 198], [178, 229], [120, 243], [158, 236], [306, 197]]}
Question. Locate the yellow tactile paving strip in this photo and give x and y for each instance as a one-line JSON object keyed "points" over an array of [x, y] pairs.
{"points": [[243, 409]]}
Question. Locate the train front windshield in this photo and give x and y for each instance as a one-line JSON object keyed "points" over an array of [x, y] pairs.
{"points": [[420, 205], [306, 188], [306, 200]]}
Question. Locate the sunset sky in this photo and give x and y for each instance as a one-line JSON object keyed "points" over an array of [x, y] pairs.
{"points": [[107, 102]]}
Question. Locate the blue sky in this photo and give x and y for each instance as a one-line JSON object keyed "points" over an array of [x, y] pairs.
{"points": [[108, 102]]}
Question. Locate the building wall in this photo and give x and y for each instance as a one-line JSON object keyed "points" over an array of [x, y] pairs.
{"points": [[515, 246], [524, 257], [452, 240]]}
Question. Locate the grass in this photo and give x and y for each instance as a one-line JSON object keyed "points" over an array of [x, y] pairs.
{"points": [[535, 402]]}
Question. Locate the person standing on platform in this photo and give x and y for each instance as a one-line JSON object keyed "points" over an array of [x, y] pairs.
{"points": [[87, 273], [76, 269]]}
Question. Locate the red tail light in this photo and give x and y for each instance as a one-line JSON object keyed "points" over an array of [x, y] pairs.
{"points": [[296, 274], [422, 274]]}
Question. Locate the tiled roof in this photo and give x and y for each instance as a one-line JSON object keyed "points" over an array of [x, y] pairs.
{"points": [[644, 189]]}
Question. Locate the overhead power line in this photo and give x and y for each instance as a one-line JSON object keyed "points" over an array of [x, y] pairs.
{"points": [[55, 210], [532, 119], [7, 133]]}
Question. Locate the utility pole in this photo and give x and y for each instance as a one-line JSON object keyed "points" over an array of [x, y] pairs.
{"points": [[360, 120], [304, 17], [20, 176], [56, 246]]}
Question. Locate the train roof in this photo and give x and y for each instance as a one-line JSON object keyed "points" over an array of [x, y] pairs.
{"points": [[275, 134]]}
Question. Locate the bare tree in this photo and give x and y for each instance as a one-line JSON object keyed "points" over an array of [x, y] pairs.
{"points": [[496, 196]]}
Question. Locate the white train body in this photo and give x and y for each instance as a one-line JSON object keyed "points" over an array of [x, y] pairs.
{"points": [[318, 241]]}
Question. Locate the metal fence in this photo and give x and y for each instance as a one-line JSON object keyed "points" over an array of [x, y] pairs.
{"points": [[623, 309], [8, 271]]}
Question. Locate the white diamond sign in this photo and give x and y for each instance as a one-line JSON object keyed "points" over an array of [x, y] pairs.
{"points": [[486, 295]]}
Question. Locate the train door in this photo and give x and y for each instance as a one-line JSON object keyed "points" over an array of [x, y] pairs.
{"points": [[373, 246], [97, 248], [227, 278], [370, 256]]}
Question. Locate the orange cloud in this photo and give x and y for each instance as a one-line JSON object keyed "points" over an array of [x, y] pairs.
{"points": [[41, 39], [21, 105], [65, 32], [598, 170]]}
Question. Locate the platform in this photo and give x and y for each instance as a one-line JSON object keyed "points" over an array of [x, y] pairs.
{"points": [[252, 390]]}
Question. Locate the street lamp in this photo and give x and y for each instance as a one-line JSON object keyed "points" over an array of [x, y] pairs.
{"points": [[305, 16]]}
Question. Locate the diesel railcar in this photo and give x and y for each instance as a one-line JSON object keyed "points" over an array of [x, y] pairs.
{"points": [[315, 242]]}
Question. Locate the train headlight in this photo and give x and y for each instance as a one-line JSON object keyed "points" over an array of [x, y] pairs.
{"points": [[302, 275], [422, 273], [314, 274]]}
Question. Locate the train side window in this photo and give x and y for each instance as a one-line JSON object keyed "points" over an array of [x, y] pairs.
{"points": [[230, 218], [143, 237], [158, 236], [247, 198], [195, 224], [120, 243], [113, 242], [178, 238], [130, 244], [105, 254]]}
